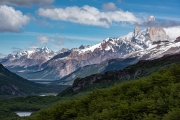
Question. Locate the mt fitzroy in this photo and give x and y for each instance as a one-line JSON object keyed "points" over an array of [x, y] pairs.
{"points": [[43, 63]]}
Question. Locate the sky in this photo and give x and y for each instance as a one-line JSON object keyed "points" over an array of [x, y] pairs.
{"points": [[57, 24]]}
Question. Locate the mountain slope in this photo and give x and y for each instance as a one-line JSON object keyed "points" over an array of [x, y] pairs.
{"points": [[12, 84], [151, 98], [28, 58], [112, 64], [141, 69]]}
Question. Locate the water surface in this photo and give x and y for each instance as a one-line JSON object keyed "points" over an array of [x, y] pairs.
{"points": [[23, 114]]}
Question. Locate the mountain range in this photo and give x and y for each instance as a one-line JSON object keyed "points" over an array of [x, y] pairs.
{"points": [[141, 69], [44, 64]]}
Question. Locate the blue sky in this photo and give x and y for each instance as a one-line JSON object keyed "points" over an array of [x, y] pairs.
{"points": [[26, 24]]}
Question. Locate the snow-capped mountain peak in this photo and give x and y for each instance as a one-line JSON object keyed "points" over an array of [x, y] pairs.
{"points": [[147, 43], [151, 18], [45, 50], [32, 57]]}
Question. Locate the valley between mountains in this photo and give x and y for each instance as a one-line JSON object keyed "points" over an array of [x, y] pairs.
{"points": [[43, 64], [132, 77]]}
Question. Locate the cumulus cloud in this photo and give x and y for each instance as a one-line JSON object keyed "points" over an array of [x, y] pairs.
{"points": [[44, 23], [164, 24], [173, 32], [56, 40], [109, 6], [11, 20], [26, 2], [43, 39], [87, 15]]}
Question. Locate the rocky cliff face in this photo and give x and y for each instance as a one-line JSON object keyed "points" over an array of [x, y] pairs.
{"points": [[141, 69], [177, 39], [11, 89], [156, 34]]}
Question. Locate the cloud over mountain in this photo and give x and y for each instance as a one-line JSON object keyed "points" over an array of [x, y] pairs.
{"points": [[56, 40], [153, 23], [173, 32], [87, 15], [11, 20]]}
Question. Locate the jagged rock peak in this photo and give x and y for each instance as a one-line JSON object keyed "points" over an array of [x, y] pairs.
{"points": [[64, 49], [157, 34], [43, 50], [151, 18], [82, 47], [177, 39], [137, 31]]}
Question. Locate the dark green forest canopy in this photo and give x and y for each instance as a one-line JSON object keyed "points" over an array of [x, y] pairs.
{"points": [[152, 98]]}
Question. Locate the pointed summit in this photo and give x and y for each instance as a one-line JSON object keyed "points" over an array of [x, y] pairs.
{"points": [[151, 18], [137, 31], [45, 50]]}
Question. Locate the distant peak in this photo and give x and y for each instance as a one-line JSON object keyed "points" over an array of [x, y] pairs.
{"points": [[64, 50], [82, 47], [151, 18], [44, 49], [137, 31]]}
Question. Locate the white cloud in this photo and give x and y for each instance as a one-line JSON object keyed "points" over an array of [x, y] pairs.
{"points": [[26, 2], [87, 15], [11, 20], [173, 32], [44, 23], [109, 6], [43, 39], [56, 40]]}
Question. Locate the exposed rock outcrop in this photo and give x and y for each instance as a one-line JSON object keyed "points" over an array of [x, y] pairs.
{"points": [[137, 31], [141, 69], [177, 39], [156, 34], [11, 89]]}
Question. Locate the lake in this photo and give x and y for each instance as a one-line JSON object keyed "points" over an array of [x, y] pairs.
{"points": [[23, 114]]}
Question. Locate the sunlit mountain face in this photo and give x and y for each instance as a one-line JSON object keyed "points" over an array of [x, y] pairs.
{"points": [[45, 64], [52, 39], [94, 55]]}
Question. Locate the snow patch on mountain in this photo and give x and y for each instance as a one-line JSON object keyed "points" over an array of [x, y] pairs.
{"points": [[90, 48], [28, 53]]}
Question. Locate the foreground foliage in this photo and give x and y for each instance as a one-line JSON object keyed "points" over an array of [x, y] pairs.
{"points": [[153, 98], [30, 103]]}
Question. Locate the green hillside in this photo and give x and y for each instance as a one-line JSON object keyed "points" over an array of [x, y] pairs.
{"points": [[152, 98], [14, 85], [137, 91]]}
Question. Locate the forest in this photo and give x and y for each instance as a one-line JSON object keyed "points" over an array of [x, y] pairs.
{"points": [[151, 98]]}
